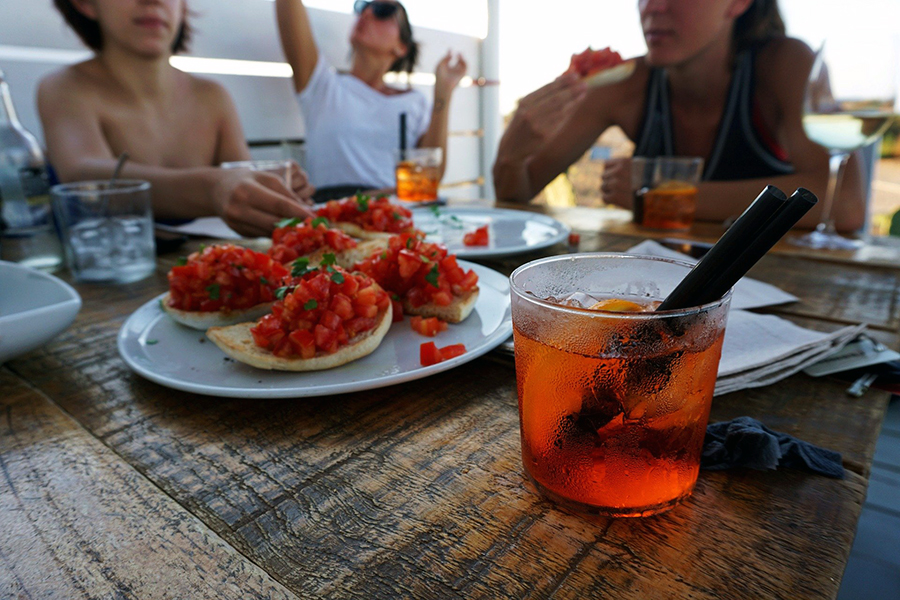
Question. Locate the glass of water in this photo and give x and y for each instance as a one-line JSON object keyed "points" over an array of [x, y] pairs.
{"points": [[107, 229]]}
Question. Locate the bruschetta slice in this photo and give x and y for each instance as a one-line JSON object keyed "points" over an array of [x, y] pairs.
{"points": [[367, 218], [222, 285], [313, 238], [326, 318], [601, 67], [424, 277]]}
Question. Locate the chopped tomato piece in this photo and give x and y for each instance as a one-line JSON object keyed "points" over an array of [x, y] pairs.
{"points": [[296, 238], [452, 351], [372, 214], [479, 237], [397, 307], [317, 315], [430, 354], [224, 277], [430, 326], [419, 272]]}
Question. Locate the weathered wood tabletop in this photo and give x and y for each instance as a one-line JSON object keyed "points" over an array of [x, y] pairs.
{"points": [[115, 487]]}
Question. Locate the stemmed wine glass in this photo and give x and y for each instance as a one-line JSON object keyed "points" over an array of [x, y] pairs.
{"points": [[848, 105]]}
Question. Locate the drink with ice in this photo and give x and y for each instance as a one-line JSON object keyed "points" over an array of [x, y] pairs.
{"points": [[614, 402], [107, 229]]}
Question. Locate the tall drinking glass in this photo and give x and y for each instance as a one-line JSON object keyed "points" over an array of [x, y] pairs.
{"points": [[849, 103]]}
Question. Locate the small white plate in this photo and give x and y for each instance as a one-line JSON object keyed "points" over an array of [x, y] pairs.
{"points": [[35, 307], [509, 231], [159, 349]]}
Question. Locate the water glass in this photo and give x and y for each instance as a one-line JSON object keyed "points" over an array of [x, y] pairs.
{"points": [[280, 168], [107, 229]]}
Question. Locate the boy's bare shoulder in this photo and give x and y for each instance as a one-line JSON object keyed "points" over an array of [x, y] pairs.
{"points": [[74, 83], [211, 93]]}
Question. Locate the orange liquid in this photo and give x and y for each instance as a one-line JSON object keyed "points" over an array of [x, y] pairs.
{"points": [[669, 207], [617, 435], [416, 183]]}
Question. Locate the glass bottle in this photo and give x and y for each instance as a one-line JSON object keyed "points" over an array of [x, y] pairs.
{"points": [[27, 233]]}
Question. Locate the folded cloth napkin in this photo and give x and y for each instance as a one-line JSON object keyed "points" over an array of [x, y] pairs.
{"points": [[748, 293], [745, 442]]}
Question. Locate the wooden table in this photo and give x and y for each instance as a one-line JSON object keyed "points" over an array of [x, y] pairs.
{"points": [[116, 487]]}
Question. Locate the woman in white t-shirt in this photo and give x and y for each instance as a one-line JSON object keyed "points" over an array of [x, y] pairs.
{"points": [[353, 119]]}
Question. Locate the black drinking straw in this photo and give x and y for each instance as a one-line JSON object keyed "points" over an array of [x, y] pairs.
{"points": [[800, 203], [730, 245], [749, 242], [403, 136]]}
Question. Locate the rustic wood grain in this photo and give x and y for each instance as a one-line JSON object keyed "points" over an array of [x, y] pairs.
{"points": [[78, 522], [416, 490]]}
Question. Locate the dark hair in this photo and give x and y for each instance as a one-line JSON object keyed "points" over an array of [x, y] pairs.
{"points": [[89, 30], [406, 63], [759, 23]]}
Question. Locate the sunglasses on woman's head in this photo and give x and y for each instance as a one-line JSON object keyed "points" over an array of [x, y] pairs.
{"points": [[380, 10]]}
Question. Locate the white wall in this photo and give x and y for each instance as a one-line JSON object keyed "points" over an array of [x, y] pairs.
{"points": [[36, 41]]}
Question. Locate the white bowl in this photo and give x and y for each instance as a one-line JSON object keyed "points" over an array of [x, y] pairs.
{"points": [[35, 307]]}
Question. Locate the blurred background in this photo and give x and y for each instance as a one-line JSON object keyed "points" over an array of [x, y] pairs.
{"points": [[521, 45]]}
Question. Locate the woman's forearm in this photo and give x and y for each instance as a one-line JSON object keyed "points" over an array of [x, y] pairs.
{"points": [[176, 193], [511, 180], [722, 200], [297, 41], [438, 129]]}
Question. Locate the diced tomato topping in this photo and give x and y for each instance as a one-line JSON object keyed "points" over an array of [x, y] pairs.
{"points": [[297, 238], [593, 61], [372, 214], [452, 351], [397, 307], [574, 239], [429, 327], [419, 272], [430, 354], [318, 315], [479, 237], [224, 277]]}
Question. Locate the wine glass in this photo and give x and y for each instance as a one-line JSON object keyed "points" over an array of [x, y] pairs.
{"points": [[848, 105]]}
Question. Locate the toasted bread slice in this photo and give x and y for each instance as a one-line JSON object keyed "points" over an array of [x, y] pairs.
{"points": [[354, 230], [237, 342], [202, 321], [349, 257], [456, 312], [615, 74]]}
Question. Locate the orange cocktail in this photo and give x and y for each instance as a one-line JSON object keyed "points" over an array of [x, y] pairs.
{"points": [[418, 174], [670, 205], [613, 403]]}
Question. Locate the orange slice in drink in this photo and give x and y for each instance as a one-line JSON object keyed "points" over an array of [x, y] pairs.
{"points": [[617, 305]]}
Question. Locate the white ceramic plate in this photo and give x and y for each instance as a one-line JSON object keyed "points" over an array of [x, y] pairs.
{"points": [[35, 307], [509, 231], [159, 349]]}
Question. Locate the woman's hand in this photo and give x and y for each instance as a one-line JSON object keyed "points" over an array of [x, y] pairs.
{"points": [[300, 183], [615, 184], [251, 202], [539, 115], [447, 75]]}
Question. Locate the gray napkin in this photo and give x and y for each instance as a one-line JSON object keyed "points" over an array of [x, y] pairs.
{"points": [[745, 442]]}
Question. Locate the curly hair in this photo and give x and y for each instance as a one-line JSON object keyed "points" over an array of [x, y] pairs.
{"points": [[405, 63], [89, 30]]}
